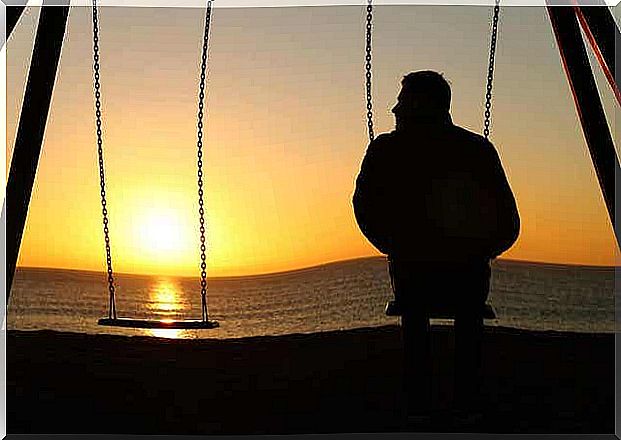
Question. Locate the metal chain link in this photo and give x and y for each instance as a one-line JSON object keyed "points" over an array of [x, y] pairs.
{"points": [[102, 182], [490, 71], [199, 143], [369, 30]]}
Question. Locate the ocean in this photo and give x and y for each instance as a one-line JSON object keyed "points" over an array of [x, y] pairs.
{"points": [[342, 295]]}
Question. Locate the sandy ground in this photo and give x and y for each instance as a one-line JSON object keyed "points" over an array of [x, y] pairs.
{"points": [[343, 381]]}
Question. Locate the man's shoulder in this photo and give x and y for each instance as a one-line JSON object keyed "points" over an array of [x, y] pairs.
{"points": [[382, 145], [384, 139], [474, 142], [470, 136]]}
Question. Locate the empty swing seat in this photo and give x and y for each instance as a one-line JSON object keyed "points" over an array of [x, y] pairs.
{"points": [[158, 324], [112, 320]]}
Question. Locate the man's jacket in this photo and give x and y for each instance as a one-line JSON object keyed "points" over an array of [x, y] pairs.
{"points": [[435, 192]]}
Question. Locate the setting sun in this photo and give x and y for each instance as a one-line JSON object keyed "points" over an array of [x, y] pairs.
{"points": [[162, 232]]}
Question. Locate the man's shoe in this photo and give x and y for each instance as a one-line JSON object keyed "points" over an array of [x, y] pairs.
{"points": [[466, 418], [418, 421]]}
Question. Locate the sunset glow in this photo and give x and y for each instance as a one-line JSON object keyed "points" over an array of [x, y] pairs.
{"points": [[285, 134]]}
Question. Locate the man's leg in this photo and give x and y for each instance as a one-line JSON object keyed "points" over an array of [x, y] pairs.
{"points": [[468, 343], [469, 339], [410, 288], [417, 362]]}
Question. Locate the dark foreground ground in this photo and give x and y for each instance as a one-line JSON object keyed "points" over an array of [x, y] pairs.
{"points": [[343, 381]]}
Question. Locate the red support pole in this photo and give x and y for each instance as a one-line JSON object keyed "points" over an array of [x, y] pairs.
{"points": [[603, 34]]}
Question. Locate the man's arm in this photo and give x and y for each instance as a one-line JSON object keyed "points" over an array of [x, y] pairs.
{"points": [[370, 197], [507, 216]]}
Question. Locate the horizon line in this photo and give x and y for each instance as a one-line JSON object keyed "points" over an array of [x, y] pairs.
{"points": [[303, 268]]}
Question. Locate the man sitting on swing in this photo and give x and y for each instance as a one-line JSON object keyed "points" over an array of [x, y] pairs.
{"points": [[434, 198]]}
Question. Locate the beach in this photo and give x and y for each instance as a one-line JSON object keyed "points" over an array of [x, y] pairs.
{"points": [[323, 382]]}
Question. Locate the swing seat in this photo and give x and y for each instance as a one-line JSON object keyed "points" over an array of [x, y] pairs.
{"points": [[158, 324], [392, 309]]}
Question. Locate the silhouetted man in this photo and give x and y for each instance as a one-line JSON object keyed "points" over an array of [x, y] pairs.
{"points": [[435, 199]]}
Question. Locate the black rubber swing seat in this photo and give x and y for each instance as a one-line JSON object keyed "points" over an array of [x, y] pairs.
{"points": [[158, 324], [393, 309]]}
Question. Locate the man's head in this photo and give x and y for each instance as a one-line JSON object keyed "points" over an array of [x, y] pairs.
{"points": [[424, 94]]}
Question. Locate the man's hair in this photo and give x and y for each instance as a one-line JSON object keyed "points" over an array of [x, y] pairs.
{"points": [[432, 86]]}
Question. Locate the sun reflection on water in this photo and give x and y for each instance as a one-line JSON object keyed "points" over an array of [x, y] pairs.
{"points": [[172, 333], [165, 297], [165, 300]]}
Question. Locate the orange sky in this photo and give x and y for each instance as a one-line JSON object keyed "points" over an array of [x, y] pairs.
{"points": [[285, 134]]}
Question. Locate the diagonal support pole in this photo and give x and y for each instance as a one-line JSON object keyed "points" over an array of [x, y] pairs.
{"points": [[35, 109], [588, 103]]}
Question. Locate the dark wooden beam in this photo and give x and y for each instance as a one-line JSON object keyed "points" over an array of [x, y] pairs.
{"points": [[32, 122], [588, 102]]}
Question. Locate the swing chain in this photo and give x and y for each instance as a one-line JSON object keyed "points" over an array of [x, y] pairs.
{"points": [[201, 209], [490, 71], [102, 182], [104, 205], [369, 29]]}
